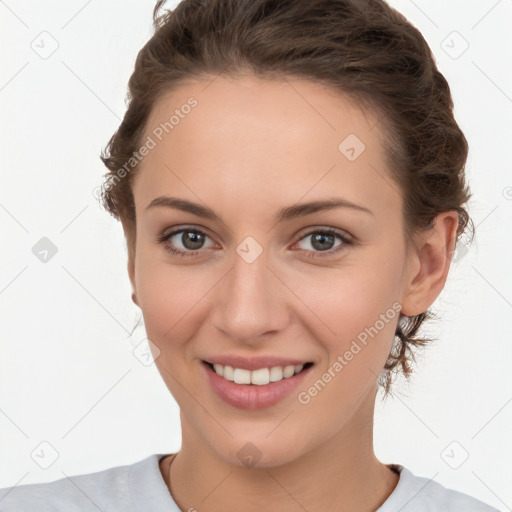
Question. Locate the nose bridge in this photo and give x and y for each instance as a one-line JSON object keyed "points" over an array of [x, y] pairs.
{"points": [[251, 303]]}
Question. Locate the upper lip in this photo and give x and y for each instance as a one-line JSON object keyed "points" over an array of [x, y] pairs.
{"points": [[253, 363]]}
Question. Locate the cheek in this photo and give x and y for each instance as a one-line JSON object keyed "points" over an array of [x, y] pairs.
{"points": [[171, 297], [361, 312], [365, 308], [347, 301], [172, 301], [359, 308]]}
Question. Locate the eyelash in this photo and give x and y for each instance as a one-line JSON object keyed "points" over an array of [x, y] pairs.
{"points": [[310, 254]]}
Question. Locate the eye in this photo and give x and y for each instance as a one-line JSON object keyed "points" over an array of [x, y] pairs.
{"points": [[191, 240], [322, 242]]}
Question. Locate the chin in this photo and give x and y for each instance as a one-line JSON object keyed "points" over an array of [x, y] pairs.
{"points": [[262, 452]]}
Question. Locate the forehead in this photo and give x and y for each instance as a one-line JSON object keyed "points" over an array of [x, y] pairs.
{"points": [[255, 138]]}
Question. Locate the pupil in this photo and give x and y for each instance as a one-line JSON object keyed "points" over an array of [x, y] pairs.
{"points": [[320, 239]]}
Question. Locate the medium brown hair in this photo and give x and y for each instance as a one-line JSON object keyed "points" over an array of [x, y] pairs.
{"points": [[363, 49]]}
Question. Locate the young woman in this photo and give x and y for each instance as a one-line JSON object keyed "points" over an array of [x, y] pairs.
{"points": [[290, 181]]}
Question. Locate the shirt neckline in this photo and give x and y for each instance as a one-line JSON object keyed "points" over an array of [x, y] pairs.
{"points": [[149, 491]]}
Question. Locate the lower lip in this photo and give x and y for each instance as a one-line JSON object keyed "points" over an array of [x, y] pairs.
{"points": [[250, 396]]}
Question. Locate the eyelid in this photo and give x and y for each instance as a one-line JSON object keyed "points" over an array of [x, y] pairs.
{"points": [[169, 232], [306, 231], [346, 239], [315, 229]]}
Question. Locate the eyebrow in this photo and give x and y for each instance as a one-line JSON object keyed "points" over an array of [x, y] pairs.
{"points": [[287, 213]]}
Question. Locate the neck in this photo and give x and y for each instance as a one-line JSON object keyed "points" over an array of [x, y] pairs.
{"points": [[341, 473]]}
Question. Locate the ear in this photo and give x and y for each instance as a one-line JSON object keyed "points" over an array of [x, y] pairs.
{"points": [[129, 234], [131, 274], [429, 264]]}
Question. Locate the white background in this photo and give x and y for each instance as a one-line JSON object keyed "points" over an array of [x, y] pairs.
{"points": [[68, 374]]}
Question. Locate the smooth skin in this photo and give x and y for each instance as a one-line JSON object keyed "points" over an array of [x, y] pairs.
{"points": [[248, 149]]}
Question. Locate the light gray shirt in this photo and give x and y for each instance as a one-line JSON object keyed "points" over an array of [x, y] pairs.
{"points": [[140, 487]]}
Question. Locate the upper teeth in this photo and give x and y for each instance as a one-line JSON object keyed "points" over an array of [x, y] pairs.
{"points": [[259, 377]]}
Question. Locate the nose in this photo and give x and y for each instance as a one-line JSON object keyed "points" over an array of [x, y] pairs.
{"points": [[251, 301]]}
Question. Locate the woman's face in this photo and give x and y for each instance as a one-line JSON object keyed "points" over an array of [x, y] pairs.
{"points": [[250, 282]]}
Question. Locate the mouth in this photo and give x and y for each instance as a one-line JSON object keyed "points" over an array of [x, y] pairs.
{"points": [[258, 388], [264, 376]]}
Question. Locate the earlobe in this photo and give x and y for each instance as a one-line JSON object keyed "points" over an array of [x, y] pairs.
{"points": [[434, 251]]}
